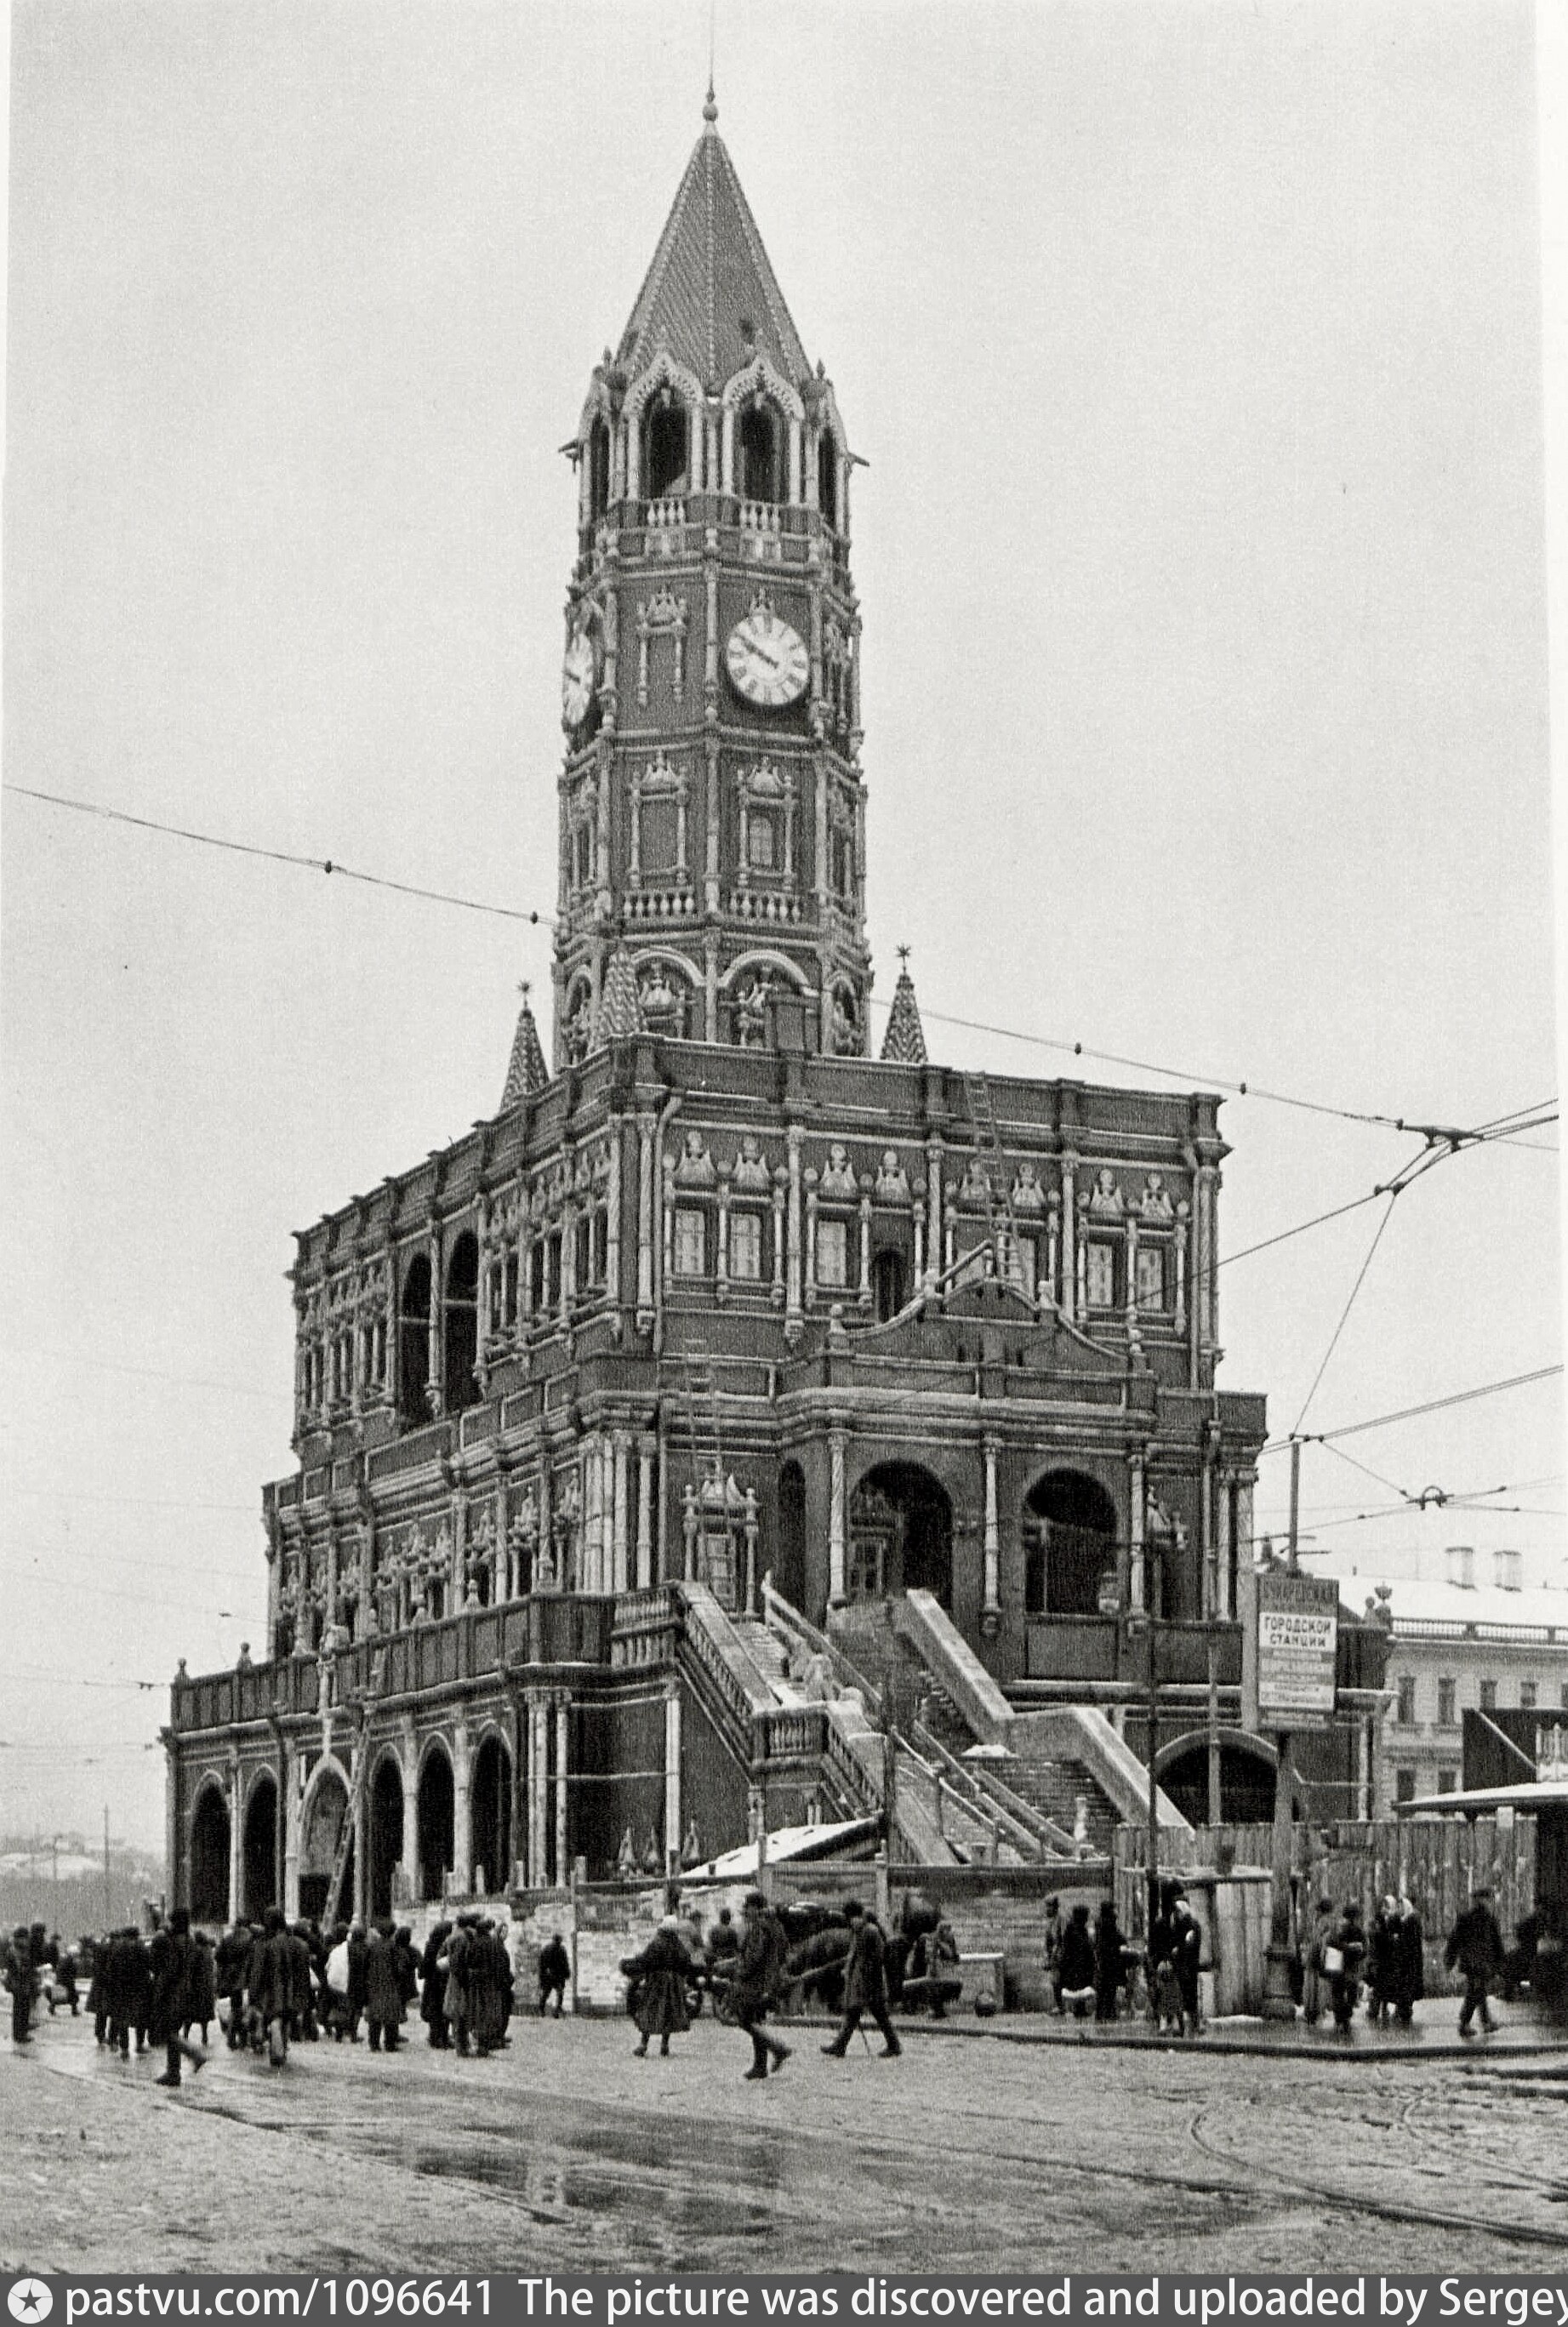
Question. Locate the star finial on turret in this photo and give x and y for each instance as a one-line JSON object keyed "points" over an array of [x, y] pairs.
{"points": [[902, 952]]}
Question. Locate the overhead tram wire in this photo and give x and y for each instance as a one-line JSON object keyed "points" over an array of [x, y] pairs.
{"points": [[535, 919], [1429, 1406], [1345, 1313]]}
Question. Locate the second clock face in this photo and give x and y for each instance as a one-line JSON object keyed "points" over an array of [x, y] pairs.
{"points": [[578, 676], [767, 660]]}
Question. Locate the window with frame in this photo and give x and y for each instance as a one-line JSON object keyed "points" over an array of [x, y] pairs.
{"points": [[1100, 1275], [537, 1273], [1406, 1711], [1488, 1697], [761, 841], [581, 855], [1151, 1279], [599, 1248], [658, 834], [1404, 1785], [1565, 1696], [746, 1246], [1526, 1696], [1447, 1704], [583, 1253], [843, 855], [1447, 1780], [691, 1241], [833, 1252]]}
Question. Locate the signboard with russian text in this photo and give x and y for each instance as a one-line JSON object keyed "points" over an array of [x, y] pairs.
{"points": [[1290, 1647]]}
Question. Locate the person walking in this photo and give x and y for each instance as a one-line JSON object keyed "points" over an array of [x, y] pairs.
{"points": [[458, 1961], [356, 1990], [1314, 1981], [1054, 1932], [866, 1983], [661, 1975], [383, 2004], [229, 1971], [759, 1966], [270, 1984], [1107, 1960], [1075, 1963], [19, 1984], [1409, 1961], [432, 1988], [1342, 1960], [170, 1955], [1186, 1943], [1474, 1950], [554, 1971], [1380, 1951]]}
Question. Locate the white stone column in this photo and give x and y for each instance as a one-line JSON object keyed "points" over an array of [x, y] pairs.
{"points": [[620, 1577], [644, 1576], [291, 1833], [408, 1756], [236, 1835], [793, 1257], [1069, 1300], [993, 1540], [538, 1784], [672, 1806], [360, 1750], [934, 1203], [461, 1812], [1135, 1528], [645, 1130], [1208, 1543], [563, 1864], [613, 1218], [835, 1529]]}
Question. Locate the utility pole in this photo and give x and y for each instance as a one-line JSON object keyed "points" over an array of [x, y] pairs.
{"points": [[1279, 2001], [109, 1917], [1151, 1842]]}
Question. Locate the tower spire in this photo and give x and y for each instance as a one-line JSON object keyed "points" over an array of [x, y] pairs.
{"points": [[904, 1043], [525, 1070]]}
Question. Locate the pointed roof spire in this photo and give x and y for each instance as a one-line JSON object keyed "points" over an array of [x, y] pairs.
{"points": [[620, 1014], [526, 1070], [711, 296], [904, 1043]]}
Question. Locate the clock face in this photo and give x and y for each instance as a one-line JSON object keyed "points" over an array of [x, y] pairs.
{"points": [[767, 660], [577, 674]]}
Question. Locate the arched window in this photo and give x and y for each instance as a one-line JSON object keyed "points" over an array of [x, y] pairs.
{"points": [[260, 1849], [827, 478], [414, 1340], [598, 471], [666, 440], [460, 1324], [210, 1858], [759, 446], [1069, 1534], [888, 1283], [436, 1824], [385, 1832]]}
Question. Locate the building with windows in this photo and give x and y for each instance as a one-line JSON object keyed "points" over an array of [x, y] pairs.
{"points": [[1478, 1641], [723, 1338]]}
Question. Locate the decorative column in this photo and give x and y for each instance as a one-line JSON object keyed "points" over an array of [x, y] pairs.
{"points": [[408, 1754], [836, 1442], [781, 1183], [619, 1578], [291, 1832], [865, 1252], [645, 1130], [672, 1810], [711, 945], [360, 1753], [434, 1389], [934, 1203], [1205, 1529], [1226, 1549], [236, 1833], [792, 1301], [461, 1815], [991, 1612], [1135, 1528], [811, 1178], [1205, 1292], [563, 1865], [538, 1784], [612, 1219], [644, 1576]]}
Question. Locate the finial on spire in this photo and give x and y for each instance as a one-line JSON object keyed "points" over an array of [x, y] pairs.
{"points": [[902, 952], [710, 106]]}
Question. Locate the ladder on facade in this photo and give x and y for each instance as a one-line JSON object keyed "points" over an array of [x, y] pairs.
{"points": [[1000, 1225], [330, 1913], [704, 1435]]}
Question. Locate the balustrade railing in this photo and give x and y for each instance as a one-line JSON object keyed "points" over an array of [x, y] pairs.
{"points": [[677, 904], [769, 905]]}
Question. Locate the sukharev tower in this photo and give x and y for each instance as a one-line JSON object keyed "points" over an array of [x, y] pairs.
{"points": [[726, 1364]]}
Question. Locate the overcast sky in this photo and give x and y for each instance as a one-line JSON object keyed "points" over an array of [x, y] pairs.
{"points": [[1196, 354]]}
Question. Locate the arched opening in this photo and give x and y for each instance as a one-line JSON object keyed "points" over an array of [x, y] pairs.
{"points": [[900, 1534], [437, 1824], [598, 471], [319, 1836], [666, 435], [827, 478], [460, 1324], [1246, 1780], [210, 1858], [491, 1796], [889, 1282], [258, 1885], [1070, 1538], [759, 469], [386, 1833], [414, 1340], [789, 1559]]}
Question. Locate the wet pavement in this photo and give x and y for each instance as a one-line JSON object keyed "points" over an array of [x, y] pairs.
{"points": [[565, 2152]]}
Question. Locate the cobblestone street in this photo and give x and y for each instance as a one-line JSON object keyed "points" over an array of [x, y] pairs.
{"points": [[565, 2152]]}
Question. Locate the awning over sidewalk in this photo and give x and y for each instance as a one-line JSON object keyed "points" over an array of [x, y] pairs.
{"points": [[1533, 1794]]}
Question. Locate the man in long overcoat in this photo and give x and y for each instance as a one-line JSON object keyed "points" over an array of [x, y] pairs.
{"points": [[169, 1956], [661, 1973], [1474, 1950], [383, 2003], [759, 1968], [270, 1984], [866, 1983]]}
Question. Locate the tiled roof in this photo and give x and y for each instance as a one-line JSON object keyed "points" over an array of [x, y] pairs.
{"points": [[525, 1069], [711, 276], [619, 1013], [904, 1043]]}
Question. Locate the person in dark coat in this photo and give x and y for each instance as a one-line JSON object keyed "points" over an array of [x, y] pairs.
{"points": [[1052, 1940], [269, 1982], [432, 1988], [1342, 1960], [405, 1964], [1107, 1960], [1409, 1962], [19, 1983], [302, 1983], [233, 1955], [1380, 1948], [1075, 1963], [1186, 1944], [201, 1992], [1474, 1950], [356, 1998], [660, 1976], [759, 1970], [169, 1954], [383, 2004], [866, 1983], [138, 1987], [554, 1971]]}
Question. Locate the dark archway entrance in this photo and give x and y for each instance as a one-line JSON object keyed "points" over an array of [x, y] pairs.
{"points": [[210, 1858], [460, 1325], [1070, 1538], [259, 1872], [490, 1795], [900, 1534], [889, 1282], [414, 1340], [319, 1836], [1246, 1781], [437, 1824], [386, 1833], [790, 1557]]}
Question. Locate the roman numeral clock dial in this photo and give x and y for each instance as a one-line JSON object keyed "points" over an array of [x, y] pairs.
{"points": [[767, 660]]}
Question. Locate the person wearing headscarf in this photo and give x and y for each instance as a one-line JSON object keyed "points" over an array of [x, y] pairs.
{"points": [[661, 1973]]}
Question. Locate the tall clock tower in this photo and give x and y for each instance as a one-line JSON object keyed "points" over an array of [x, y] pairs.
{"points": [[713, 818]]}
